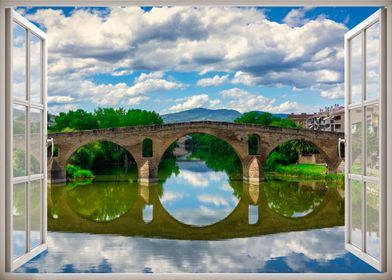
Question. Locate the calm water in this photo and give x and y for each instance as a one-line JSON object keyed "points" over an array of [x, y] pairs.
{"points": [[199, 218]]}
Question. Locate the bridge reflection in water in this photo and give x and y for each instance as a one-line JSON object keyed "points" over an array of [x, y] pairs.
{"points": [[122, 213]]}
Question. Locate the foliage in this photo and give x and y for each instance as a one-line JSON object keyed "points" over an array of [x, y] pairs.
{"points": [[104, 202], [253, 144], [76, 120], [286, 153], [147, 148], [76, 172], [168, 164], [266, 119], [103, 156], [290, 199], [19, 162], [103, 118], [217, 154], [283, 155]]}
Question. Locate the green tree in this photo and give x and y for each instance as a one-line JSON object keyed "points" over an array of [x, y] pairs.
{"points": [[266, 119]]}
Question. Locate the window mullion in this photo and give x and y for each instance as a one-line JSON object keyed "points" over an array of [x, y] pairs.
{"points": [[28, 141], [364, 159]]}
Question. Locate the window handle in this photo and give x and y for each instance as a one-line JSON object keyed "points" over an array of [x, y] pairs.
{"points": [[340, 141], [51, 141]]}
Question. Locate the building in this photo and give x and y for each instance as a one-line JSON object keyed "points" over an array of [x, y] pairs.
{"points": [[300, 119], [328, 119]]}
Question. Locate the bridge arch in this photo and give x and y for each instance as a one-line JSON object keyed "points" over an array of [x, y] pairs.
{"points": [[235, 144], [57, 165], [329, 154]]}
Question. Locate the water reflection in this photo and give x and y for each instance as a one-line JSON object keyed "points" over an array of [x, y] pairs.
{"points": [[294, 199], [215, 223], [320, 250], [101, 201], [197, 195]]}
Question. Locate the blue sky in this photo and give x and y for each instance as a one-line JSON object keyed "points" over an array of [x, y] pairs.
{"points": [[279, 60]]}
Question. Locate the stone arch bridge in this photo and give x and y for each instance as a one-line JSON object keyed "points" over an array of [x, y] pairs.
{"points": [[162, 136]]}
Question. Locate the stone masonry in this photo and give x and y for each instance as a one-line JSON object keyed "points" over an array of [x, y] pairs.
{"points": [[131, 138]]}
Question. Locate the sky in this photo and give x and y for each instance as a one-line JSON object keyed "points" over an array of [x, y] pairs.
{"points": [[169, 59]]}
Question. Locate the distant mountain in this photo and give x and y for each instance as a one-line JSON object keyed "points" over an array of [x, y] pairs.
{"points": [[203, 114]]}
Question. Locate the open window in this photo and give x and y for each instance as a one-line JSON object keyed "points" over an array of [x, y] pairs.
{"points": [[365, 134], [365, 69], [26, 138]]}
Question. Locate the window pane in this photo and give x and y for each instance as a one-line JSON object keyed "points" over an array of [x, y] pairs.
{"points": [[372, 141], [35, 69], [356, 141], [19, 141], [356, 212], [356, 69], [35, 142], [35, 213], [373, 61], [19, 220], [372, 220], [19, 62]]}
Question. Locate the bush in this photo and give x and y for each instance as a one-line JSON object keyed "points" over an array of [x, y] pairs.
{"points": [[74, 171]]}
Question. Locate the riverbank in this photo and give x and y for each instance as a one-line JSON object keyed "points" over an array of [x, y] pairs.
{"points": [[305, 171]]}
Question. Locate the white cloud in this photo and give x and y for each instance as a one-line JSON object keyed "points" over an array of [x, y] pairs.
{"points": [[244, 78], [333, 92], [313, 249], [214, 81], [119, 73], [169, 196], [296, 17], [59, 99], [74, 89], [234, 93], [244, 101], [202, 39], [196, 179], [195, 101], [216, 200]]}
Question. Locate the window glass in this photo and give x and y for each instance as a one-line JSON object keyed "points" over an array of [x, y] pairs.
{"points": [[35, 213], [372, 141], [19, 141], [356, 141], [19, 62], [373, 61], [19, 220], [356, 212], [372, 219], [35, 142], [356, 69], [35, 69]]}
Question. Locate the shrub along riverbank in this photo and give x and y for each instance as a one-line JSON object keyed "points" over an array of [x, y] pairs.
{"points": [[75, 172]]}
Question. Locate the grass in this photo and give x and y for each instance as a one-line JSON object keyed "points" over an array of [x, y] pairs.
{"points": [[307, 171]]}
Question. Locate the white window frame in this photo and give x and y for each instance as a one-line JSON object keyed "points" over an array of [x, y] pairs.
{"points": [[16, 18], [361, 30], [286, 3]]}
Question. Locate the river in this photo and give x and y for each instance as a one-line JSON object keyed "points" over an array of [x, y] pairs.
{"points": [[198, 218]]}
